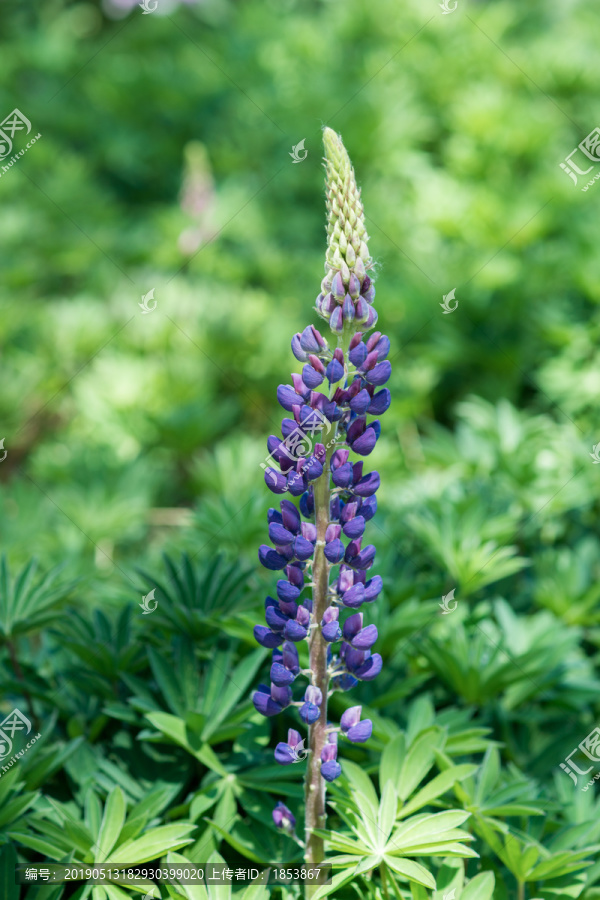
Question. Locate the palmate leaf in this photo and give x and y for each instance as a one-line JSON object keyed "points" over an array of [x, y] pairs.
{"points": [[30, 603], [103, 835], [213, 704], [202, 891], [196, 594]]}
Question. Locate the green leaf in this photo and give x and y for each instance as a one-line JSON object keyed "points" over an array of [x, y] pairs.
{"points": [[337, 881], [411, 871], [417, 762], [175, 729], [112, 823], [391, 761], [153, 844], [479, 888], [8, 860], [436, 787], [387, 812]]}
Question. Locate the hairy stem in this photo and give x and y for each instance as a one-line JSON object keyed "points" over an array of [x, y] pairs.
{"points": [[314, 789]]}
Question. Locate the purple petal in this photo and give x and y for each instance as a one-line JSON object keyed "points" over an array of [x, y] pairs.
{"points": [[289, 657], [354, 597], [365, 443], [358, 355], [293, 631], [355, 527], [350, 718], [365, 558], [287, 397], [287, 592], [311, 377], [309, 713], [334, 551], [280, 676], [300, 354], [368, 507], [266, 638], [290, 516], [342, 477], [333, 532], [336, 322], [309, 531], [270, 559], [365, 638], [263, 702], [361, 402], [281, 695], [283, 818], [352, 626], [373, 588], [380, 373], [380, 402], [348, 308], [275, 481], [280, 535], [360, 733], [337, 287], [294, 737], [302, 548], [308, 340], [284, 754], [370, 668], [367, 485], [313, 694], [331, 770], [335, 370], [331, 632], [275, 618]]}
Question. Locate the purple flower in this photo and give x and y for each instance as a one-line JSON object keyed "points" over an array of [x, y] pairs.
{"points": [[329, 426], [283, 818], [291, 752]]}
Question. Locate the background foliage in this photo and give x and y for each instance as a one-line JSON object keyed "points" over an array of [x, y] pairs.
{"points": [[164, 163]]}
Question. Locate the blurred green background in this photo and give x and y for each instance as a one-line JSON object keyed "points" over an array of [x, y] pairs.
{"points": [[164, 165]]}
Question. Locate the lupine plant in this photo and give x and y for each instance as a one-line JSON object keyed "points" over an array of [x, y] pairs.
{"points": [[318, 460]]}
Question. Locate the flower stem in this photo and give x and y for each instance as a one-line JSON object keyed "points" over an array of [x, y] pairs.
{"points": [[314, 789]]}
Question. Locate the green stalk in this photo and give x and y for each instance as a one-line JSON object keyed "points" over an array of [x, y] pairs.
{"points": [[315, 785], [314, 788]]}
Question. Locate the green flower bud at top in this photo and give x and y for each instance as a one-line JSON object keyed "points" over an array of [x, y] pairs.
{"points": [[347, 250], [347, 258]]}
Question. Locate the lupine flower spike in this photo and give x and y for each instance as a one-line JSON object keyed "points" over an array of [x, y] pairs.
{"points": [[320, 543]]}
